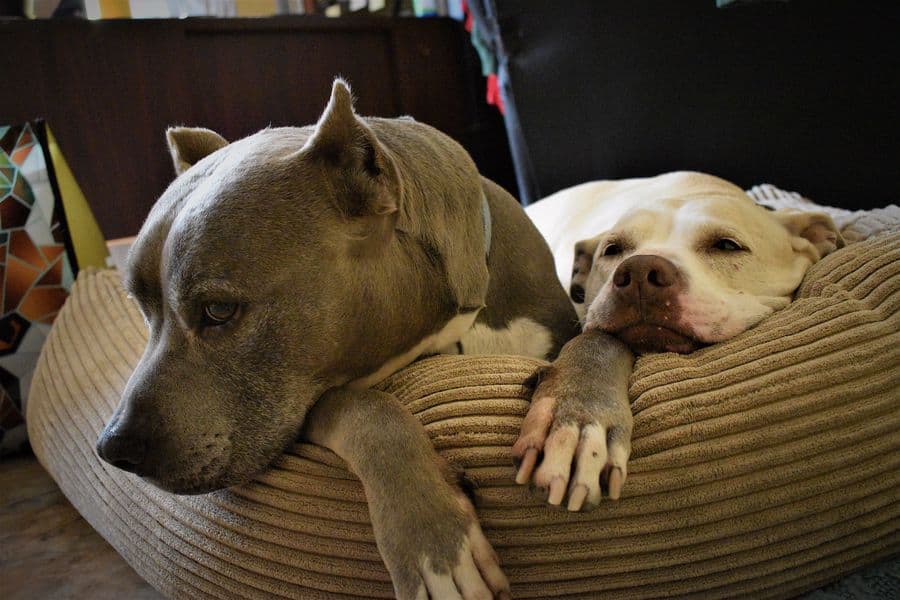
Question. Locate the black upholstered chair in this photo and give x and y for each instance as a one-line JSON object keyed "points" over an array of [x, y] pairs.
{"points": [[802, 94]]}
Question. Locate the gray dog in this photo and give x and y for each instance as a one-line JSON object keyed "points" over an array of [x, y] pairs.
{"points": [[284, 274]]}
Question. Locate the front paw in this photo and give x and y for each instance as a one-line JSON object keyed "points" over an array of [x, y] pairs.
{"points": [[440, 553], [578, 443]]}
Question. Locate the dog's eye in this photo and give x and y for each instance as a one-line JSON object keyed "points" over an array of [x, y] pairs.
{"points": [[218, 313], [727, 245], [612, 250]]}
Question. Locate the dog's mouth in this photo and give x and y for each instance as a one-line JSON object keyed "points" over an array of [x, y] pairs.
{"points": [[198, 473], [186, 486], [207, 478], [645, 338], [645, 327], [205, 481]]}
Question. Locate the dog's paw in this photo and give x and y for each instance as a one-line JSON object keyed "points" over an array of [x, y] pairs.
{"points": [[447, 556], [574, 447], [474, 574]]}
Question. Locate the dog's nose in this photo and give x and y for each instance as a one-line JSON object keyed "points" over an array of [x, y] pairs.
{"points": [[645, 276], [126, 452]]}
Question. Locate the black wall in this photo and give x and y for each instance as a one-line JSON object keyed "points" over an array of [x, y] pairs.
{"points": [[803, 94]]}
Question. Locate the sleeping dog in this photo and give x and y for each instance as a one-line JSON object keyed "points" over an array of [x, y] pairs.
{"points": [[283, 275], [664, 264]]}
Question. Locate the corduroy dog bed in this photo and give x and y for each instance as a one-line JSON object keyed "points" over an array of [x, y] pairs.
{"points": [[762, 467]]}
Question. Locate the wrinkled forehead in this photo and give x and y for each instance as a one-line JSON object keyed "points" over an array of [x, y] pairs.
{"points": [[662, 213], [229, 206]]}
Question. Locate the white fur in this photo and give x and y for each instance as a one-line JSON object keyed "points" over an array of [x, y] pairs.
{"points": [[571, 215], [669, 216], [437, 342], [523, 337]]}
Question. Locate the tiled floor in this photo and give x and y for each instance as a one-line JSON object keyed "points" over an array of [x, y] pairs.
{"points": [[47, 550]]}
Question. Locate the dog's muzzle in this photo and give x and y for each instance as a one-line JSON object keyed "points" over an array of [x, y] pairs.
{"points": [[644, 309]]}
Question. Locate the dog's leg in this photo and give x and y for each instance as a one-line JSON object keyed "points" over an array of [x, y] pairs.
{"points": [[425, 526], [579, 422]]}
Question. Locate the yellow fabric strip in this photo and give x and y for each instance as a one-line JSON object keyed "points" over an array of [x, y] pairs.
{"points": [[90, 248], [256, 8], [114, 9]]}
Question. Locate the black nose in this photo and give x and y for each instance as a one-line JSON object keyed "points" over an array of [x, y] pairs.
{"points": [[126, 452], [653, 274]]}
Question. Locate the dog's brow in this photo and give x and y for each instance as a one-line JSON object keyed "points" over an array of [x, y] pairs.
{"points": [[132, 284], [216, 288], [715, 231], [142, 290], [623, 238]]}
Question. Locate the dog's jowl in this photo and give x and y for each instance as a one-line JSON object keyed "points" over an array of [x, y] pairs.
{"points": [[282, 274]]}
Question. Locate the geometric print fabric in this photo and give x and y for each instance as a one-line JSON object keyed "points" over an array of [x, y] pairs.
{"points": [[35, 271]]}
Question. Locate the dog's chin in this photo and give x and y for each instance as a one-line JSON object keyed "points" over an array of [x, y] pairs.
{"points": [[187, 486], [203, 482], [217, 473], [645, 338]]}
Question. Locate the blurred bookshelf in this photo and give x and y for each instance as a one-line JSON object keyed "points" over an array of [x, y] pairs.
{"points": [[175, 9]]}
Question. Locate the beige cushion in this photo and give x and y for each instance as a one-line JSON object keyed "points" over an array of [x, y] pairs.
{"points": [[762, 467]]}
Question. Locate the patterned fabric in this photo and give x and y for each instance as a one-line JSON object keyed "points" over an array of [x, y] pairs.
{"points": [[854, 225], [36, 269]]}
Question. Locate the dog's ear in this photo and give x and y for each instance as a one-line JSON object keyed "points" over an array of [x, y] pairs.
{"points": [[815, 233], [362, 171], [191, 144], [581, 267]]}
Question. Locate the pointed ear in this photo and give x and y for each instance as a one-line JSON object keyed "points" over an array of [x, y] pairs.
{"points": [[362, 171], [191, 144], [581, 268], [815, 232]]}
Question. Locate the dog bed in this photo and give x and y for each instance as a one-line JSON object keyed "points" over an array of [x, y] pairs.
{"points": [[762, 467]]}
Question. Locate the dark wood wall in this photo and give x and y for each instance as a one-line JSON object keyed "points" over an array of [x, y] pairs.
{"points": [[108, 89]]}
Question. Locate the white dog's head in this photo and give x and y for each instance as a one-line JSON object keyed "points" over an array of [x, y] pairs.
{"points": [[694, 262]]}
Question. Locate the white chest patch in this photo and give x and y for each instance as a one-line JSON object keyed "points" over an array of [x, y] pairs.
{"points": [[523, 337], [437, 342]]}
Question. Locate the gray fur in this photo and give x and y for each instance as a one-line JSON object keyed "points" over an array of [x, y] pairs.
{"points": [[344, 244]]}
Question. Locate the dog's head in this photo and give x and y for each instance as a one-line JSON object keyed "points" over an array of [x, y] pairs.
{"points": [[242, 272], [693, 262]]}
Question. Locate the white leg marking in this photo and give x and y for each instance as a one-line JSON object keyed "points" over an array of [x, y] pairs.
{"points": [[440, 585], [448, 335], [487, 562], [556, 467], [422, 593], [468, 579], [590, 460]]}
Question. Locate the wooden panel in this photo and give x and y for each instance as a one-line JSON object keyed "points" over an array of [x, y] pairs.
{"points": [[110, 88]]}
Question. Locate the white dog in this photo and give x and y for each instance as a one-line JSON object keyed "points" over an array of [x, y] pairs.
{"points": [[663, 264]]}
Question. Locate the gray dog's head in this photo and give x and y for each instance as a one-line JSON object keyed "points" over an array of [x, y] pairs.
{"points": [[242, 272]]}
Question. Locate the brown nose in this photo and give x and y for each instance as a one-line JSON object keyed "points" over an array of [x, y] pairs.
{"points": [[646, 277]]}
